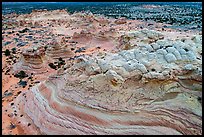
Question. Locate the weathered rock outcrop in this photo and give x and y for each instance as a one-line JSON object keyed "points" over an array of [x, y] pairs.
{"points": [[32, 60], [104, 75], [151, 89], [56, 50]]}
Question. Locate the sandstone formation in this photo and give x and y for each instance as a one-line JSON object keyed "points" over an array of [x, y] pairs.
{"points": [[55, 50], [113, 77], [32, 60], [144, 90]]}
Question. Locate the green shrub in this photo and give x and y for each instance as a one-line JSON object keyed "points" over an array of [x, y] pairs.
{"points": [[13, 50], [52, 65], [45, 47], [7, 52], [21, 75], [60, 59]]}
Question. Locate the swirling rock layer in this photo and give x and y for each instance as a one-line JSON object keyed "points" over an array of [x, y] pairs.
{"points": [[55, 51], [139, 81], [55, 110], [137, 91], [32, 60]]}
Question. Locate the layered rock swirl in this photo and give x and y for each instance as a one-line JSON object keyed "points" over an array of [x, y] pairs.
{"points": [[56, 50], [36, 59], [32, 60], [150, 89]]}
